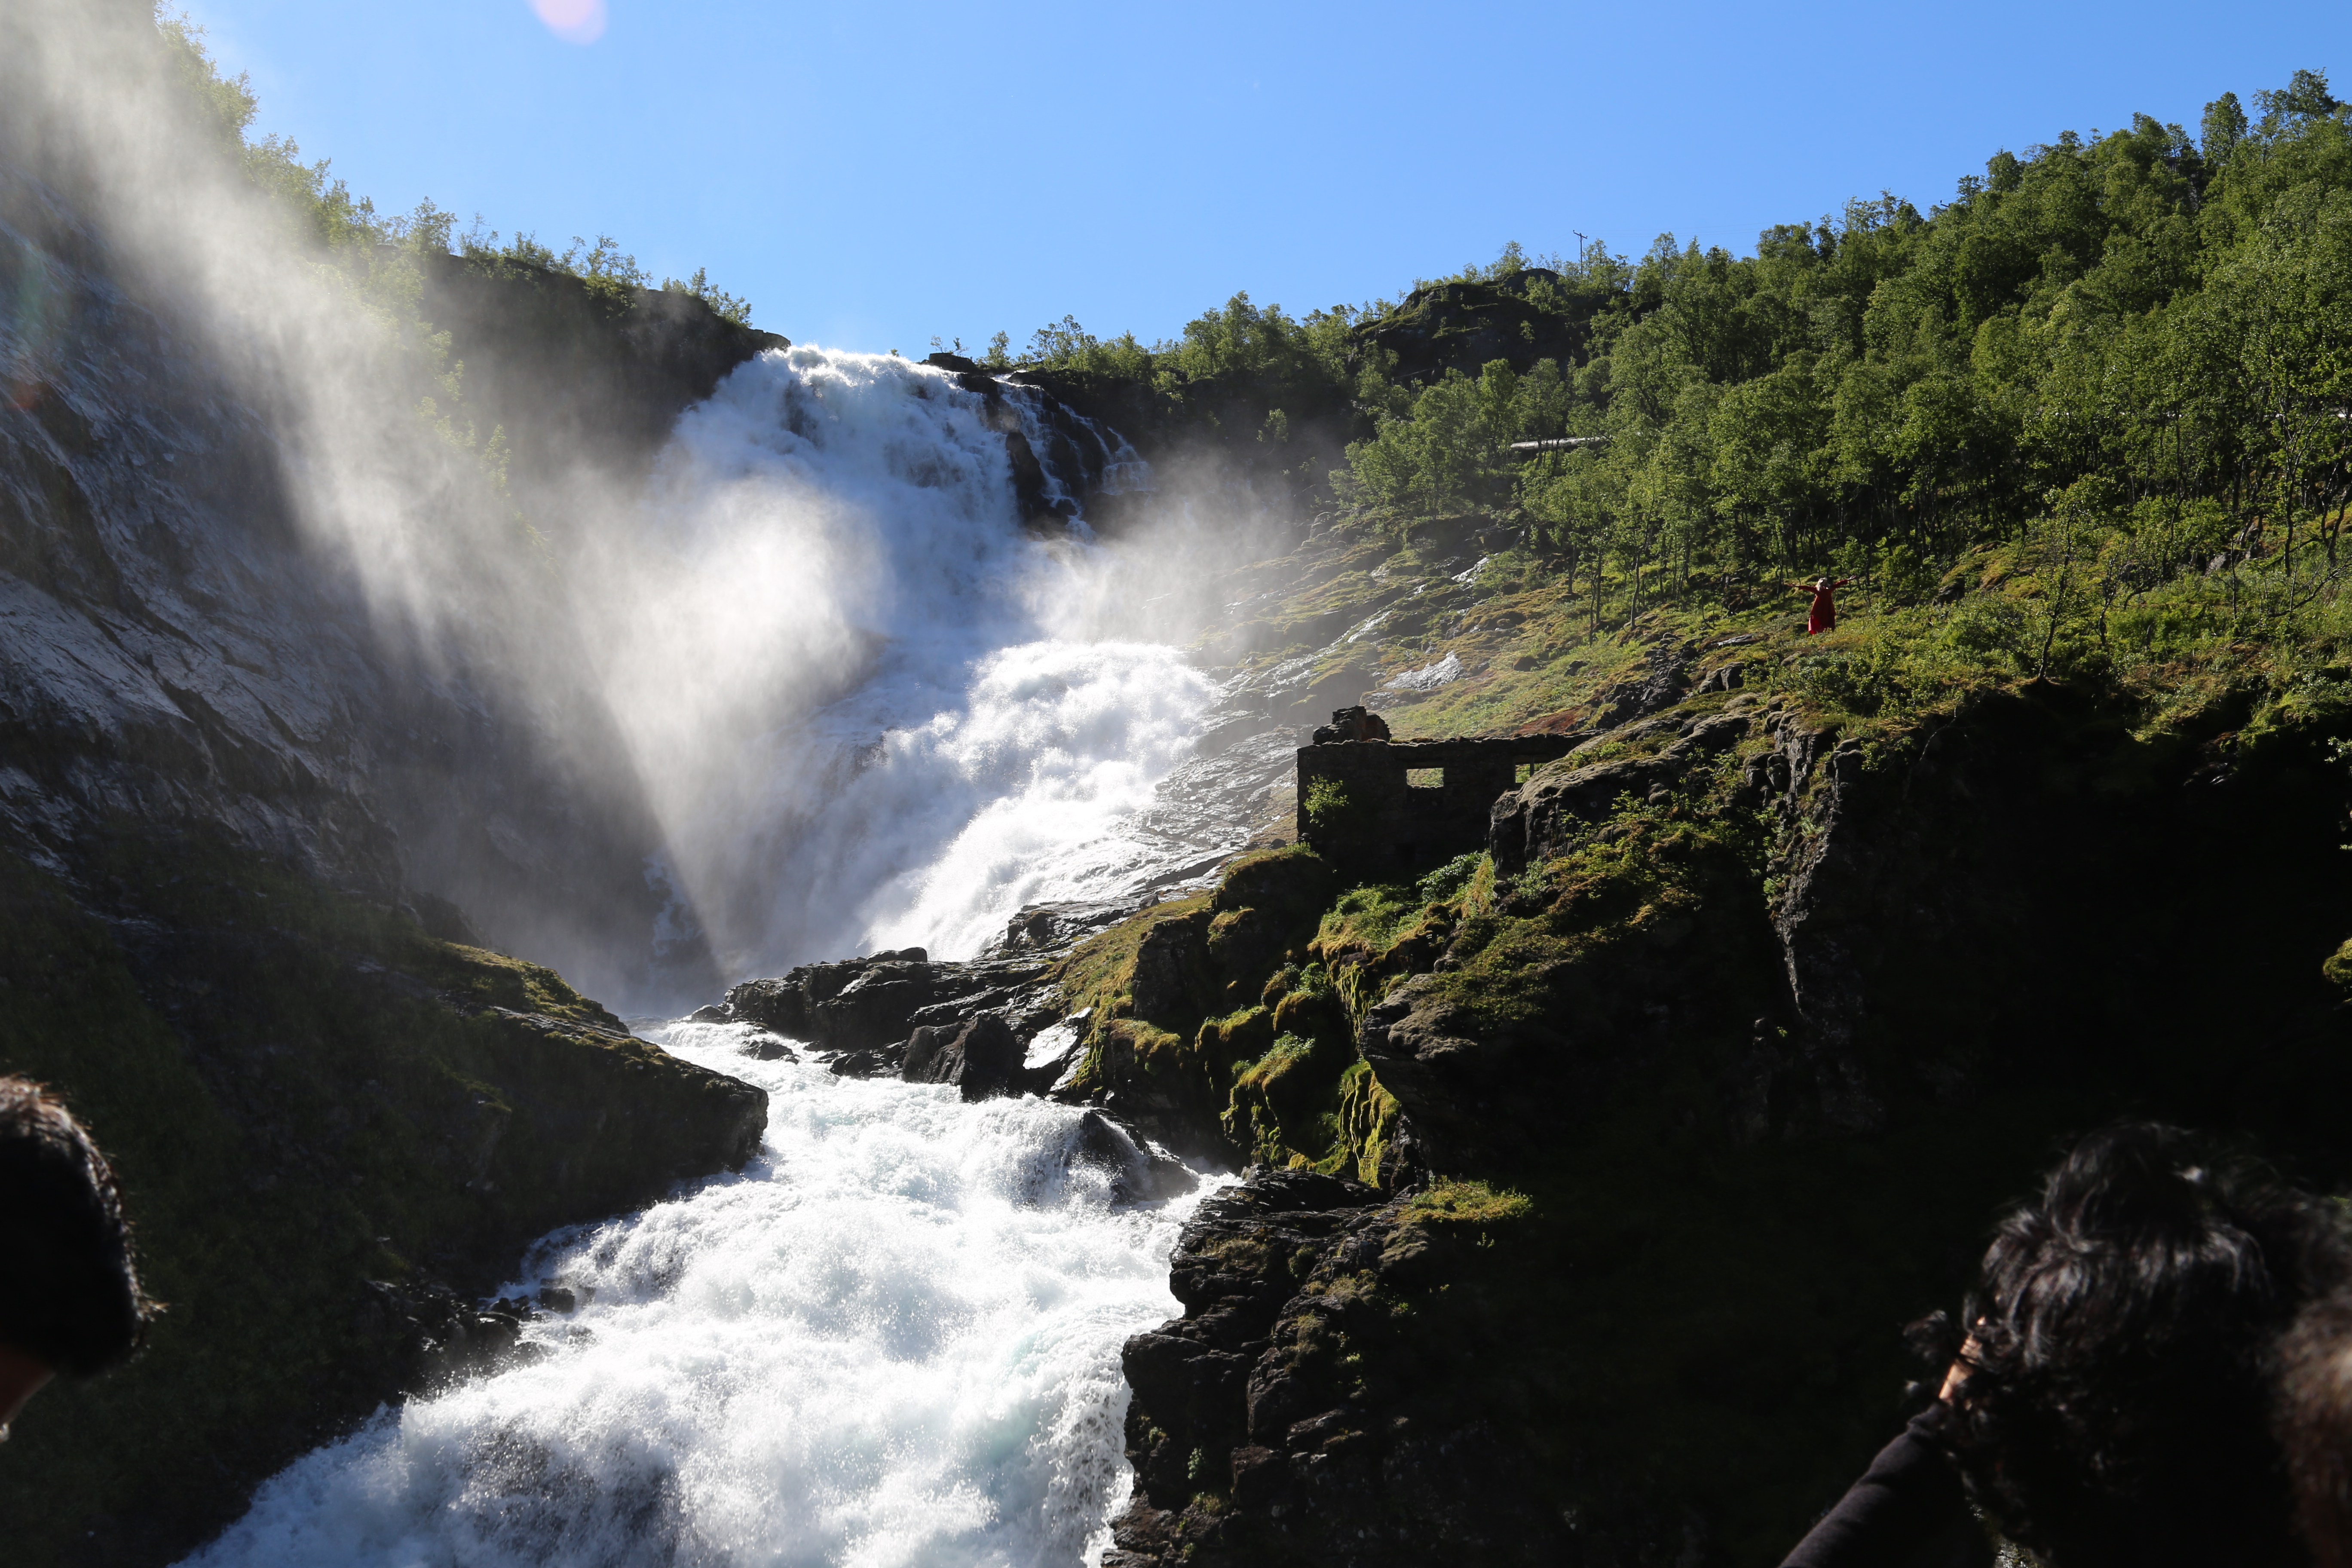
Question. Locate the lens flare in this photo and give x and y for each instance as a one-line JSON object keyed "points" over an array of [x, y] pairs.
{"points": [[573, 21]]}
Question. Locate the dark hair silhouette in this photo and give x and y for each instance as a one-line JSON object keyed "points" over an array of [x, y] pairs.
{"points": [[69, 1293], [2315, 1425], [2122, 1354]]}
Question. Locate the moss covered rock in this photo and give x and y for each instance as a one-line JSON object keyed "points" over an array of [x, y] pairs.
{"points": [[333, 1131]]}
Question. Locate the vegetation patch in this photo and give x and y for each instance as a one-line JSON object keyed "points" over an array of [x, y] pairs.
{"points": [[1466, 1203]]}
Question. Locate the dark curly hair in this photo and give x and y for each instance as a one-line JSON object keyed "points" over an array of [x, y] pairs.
{"points": [[70, 1291], [2122, 1356], [2314, 1418]]}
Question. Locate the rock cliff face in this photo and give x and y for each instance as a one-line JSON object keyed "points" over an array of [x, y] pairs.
{"points": [[236, 804], [1310, 1406], [335, 1132], [1754, 1011], [179, 651]]}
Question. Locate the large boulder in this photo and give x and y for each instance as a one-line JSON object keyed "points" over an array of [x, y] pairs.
{"points": [[1249, 1394], [875, 1008], [874, 1004], [981, 1059], [1538, 819]]}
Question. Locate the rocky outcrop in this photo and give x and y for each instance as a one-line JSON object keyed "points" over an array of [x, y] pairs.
{"points": [[876, 1002], [1047, 931], [1465, 325], [576, 375], [177, 646], [1063, 462], [980, 1058], [1270, 1425], [1660, 681], [336, 1133], [1566, 799]]}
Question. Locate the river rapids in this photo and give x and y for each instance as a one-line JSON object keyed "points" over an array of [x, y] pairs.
{"points": [[892, 1339]]}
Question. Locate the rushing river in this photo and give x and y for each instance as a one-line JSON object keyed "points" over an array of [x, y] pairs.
{"points": [[893, 1339], [872, 712]]}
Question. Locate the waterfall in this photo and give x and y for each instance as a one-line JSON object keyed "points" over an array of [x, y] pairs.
{"points": [[893, 1339], [871, 710]]}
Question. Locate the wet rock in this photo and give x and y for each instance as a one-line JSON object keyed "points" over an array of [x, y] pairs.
{"points": [[876, 1006], [981, 1059], [1141, 1172], [872, 1003], [767, 1048], [1050, 930], [428, 1337], [923, 1047], [1320, 1455]]}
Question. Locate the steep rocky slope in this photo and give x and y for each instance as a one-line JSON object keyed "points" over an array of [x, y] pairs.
{"points": [[1751, 1012], [231, 795]]}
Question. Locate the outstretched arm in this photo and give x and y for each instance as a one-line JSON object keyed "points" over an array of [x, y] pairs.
{"points": [[1909, 1498]]}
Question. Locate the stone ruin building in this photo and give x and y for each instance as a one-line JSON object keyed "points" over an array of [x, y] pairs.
{"points": [[1411, 800]]}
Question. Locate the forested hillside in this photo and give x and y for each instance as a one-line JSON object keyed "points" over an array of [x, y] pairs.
{"points": [[1673, 1102], [2125, 353]]}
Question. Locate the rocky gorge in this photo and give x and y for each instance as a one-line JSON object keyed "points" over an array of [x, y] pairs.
{"points": [[1748, 1014], [1588, 1149]]}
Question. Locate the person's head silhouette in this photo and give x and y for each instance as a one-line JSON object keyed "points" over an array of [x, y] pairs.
{"points": [[70, 1295]]}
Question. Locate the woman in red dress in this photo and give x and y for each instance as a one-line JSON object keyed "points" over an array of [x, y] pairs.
{"points": [[1824, 616]]}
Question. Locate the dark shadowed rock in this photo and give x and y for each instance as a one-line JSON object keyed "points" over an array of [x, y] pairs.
{"points": [[1248, 1394], [874, 1004], [1660, 682], [981, 1059], [1562, 800], [1539, 818], [1140, 1171]]}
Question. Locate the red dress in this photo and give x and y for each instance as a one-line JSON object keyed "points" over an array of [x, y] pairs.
{"points": [[1824, 616]]}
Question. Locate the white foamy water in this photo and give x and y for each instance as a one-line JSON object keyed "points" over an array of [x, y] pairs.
{"points": [[870, 710], [892, 1339]]}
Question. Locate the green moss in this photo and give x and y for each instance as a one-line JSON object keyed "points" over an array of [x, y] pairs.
{"points": [[1366, 1123], [1466, 1203], [1099, 974]]}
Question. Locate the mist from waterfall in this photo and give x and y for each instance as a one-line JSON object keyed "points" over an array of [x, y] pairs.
{"points": [[860, 706], [869, 710], [859, 703]]}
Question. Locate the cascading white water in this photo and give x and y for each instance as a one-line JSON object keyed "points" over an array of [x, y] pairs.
{"points": [[871, 712], [892, 1339]]}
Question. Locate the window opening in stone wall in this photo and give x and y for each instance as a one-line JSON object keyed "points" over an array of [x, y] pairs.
{"points": [[1424, 778], [1523, 773]]}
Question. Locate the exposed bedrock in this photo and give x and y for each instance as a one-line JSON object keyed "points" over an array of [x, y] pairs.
{"points": [[1307, 1407], [1764, 1011], [876, 1002], [336, 1132]]}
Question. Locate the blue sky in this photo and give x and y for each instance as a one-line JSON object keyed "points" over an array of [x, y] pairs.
{"points": [[871, 175]]}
